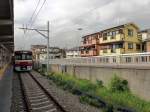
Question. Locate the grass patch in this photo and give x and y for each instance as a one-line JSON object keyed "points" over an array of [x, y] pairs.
{"points": [[116, 96]]}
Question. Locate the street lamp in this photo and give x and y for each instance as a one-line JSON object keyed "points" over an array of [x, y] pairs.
{"points": [[79, 29]]}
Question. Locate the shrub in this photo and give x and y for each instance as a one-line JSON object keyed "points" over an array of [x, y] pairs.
{"points": [[118, 84], [87, 100], [117, 95], [99, 83]]}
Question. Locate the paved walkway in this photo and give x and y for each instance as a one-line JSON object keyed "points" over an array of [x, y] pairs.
{"points": [[6, 90]]}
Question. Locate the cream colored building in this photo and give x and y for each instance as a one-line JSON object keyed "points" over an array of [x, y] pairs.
{"points": [[120, 40]]}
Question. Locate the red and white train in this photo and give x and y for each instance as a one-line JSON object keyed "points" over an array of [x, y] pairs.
{"points": [[23, 61]]}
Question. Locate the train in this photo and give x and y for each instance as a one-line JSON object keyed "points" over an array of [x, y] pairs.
{"points": [[23, 60]]}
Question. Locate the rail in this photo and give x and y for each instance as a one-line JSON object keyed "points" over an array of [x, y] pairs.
{"points": [[36, 97]]}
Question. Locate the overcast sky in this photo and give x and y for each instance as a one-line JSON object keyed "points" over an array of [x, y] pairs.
{"points": [[66, 16]]}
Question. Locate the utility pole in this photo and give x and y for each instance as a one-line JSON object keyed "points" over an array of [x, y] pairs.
{"points": [[45, 36], [47, 47]]}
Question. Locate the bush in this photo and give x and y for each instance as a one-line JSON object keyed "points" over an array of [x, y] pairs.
{"points": [[118, 84], [118, 93], [87, 100], [99, 83]]}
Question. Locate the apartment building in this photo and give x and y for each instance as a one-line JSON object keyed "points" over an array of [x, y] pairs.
{"points": [[90, 45], [120, 40], [145, 36]]}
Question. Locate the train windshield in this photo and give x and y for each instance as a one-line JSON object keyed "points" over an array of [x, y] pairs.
{"points": [[23, 56]]}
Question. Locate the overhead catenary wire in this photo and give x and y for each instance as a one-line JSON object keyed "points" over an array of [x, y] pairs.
{"points": [[30, 20], [38, 13]]}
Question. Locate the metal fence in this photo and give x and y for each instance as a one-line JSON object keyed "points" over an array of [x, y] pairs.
{"points": [[132, 58]]}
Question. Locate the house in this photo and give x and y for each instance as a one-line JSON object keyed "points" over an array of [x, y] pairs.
{"points": [[90, 45], [145, 36], [73, 52], [120, 40], [40, 52]]}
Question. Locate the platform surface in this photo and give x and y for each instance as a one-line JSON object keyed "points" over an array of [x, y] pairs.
{"points": [[6, 90]]}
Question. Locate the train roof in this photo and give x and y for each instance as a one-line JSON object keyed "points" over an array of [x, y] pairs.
{"points": [[23, 51]]}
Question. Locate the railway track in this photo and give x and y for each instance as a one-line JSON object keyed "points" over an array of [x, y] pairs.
{"points": [[36, 97]]}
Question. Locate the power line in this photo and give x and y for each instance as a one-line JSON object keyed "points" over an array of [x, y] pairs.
{"points": [[37, 13], [34, 11]]}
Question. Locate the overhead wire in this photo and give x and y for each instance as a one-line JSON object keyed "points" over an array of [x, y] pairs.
{"points": [[38, 13], [34, 11]]}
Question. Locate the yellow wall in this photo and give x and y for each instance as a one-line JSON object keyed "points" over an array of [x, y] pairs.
{"points": [[134, 39], [118, 51], [127, 39]]}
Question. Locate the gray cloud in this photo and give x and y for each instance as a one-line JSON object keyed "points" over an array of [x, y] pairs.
{"points": [[66, 16]]}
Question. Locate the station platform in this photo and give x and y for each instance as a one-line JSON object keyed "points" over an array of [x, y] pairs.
{"points": [[6, 89]]}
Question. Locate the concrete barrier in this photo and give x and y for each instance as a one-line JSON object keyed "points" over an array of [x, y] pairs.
{"points": [[138, 79]]}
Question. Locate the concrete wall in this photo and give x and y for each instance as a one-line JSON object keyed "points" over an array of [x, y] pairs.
{"points": [[138, 79]]}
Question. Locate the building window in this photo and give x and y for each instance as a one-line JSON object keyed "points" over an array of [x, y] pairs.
{"points": [[121, 31], [113, 33], [82, 52], [87, 51], [138, 47], [105, 51], [130, 45], [130, 32], [104, 34], [113, 50], [117, 32], [104, 38]]}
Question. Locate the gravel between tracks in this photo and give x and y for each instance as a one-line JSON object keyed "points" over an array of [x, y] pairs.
{"points": [[69, 101], [17, 98]]}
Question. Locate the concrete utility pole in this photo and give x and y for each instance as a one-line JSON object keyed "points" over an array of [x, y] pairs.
{"points": [[46, 36], [47, 47]]}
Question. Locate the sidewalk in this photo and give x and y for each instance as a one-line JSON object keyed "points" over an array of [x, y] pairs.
{"points": [[6, 90]]}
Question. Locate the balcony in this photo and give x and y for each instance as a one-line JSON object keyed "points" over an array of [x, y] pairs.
{"points": [[89, 53], [109, 39], [89, 43], [111, 51]]}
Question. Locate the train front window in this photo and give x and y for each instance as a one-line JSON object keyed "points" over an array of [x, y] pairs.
{"points": [[29, 57], [18, 57], [23, 57]]}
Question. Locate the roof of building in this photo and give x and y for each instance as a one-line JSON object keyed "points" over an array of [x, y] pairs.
{"points": [[145, 31], [73, 49], [86, 36], [42, 47], [119, 26]]}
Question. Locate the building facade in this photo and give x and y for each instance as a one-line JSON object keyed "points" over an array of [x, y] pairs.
{"points": [[90, 45], [145, 36], [120, 40], [73, 52], [40, 52]]}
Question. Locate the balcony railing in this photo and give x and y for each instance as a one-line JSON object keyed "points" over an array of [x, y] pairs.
{"points": [[132, 58], [108, 39], [112, 51], [89, 53]]}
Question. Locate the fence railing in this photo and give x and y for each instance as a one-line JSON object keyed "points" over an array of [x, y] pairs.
{"points": [[132, 58]]}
